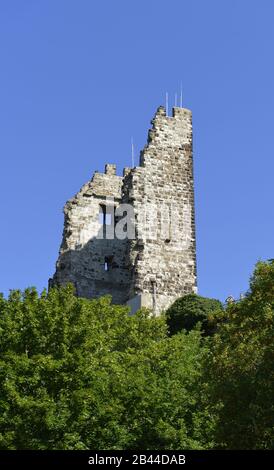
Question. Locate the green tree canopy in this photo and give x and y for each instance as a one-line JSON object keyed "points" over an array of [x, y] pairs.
{"points": [[242, 367], [83, 374], [186, 312]]}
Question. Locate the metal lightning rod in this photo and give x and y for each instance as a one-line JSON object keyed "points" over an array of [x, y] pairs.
{"points": [[181, 96], [132, 152]]}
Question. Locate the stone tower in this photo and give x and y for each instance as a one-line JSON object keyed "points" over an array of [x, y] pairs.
{"points": [[154, 261]]}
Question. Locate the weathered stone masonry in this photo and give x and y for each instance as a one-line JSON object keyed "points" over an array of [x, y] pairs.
{"points": [[159, 265]]}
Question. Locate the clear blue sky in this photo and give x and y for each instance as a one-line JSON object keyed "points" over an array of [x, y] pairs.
{"points": [[80, 77]]}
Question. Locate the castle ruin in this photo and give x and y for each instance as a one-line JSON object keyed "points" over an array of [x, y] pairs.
{"points": [[152, 260]]}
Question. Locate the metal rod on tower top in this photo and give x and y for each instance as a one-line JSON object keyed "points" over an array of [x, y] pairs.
{"points": [[175, 104], [181, 96], [166, 103], [132, 152]]}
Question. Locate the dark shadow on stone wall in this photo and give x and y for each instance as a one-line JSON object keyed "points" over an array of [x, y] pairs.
{"points": [[98, 268]]}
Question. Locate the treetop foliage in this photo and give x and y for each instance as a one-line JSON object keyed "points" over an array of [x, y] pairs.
{"points": [[192, 310], [81, 374], [84, 374]]}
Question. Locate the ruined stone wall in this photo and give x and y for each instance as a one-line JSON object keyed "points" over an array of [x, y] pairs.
{"points": [[82, 255], [159, 265], [163, 255]]}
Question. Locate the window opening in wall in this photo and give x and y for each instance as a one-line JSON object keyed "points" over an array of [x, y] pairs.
{"points": [[108, 263], [102, 214], [105, 214]]}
